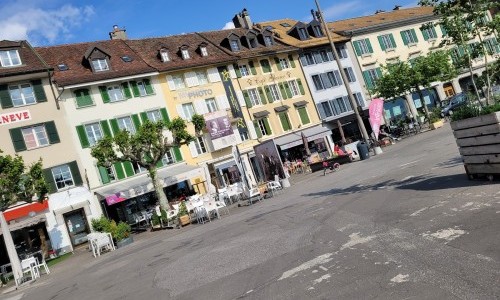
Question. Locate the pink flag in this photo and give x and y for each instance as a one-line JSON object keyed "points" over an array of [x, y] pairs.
{"points": [[376, 109]]}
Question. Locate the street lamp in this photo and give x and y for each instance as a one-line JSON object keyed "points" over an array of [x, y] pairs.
{"points": [[350, 96]]}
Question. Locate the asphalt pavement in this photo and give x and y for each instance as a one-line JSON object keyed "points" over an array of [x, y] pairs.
{"points": [[406, 224]]}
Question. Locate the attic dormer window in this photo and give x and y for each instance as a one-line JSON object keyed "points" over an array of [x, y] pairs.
{"points": [[303, 33], [317, 30], [100, 64], [9, 58], [253, 42], [164, 55], [203, 50], [185, 53], [268, 40], [235, 46]]}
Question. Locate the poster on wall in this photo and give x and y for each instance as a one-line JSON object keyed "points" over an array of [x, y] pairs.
{"points": [[218, 124], [269, 160]]}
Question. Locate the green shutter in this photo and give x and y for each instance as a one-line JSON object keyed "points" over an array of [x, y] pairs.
{"points": [[379, 72], [252, 68], [282, 90], [135, 89], [257, 129], [369, 45], [284, 121], [120, 173], [414, 35], [425, 34], [38, 91], [304, 118], [148, 87], [292, 62], [443, 30], [126, 90], [75, 172], [105, 128], [144, 117], [433, 29], [49, 179], [136, 121], [266, 67], [301, 87], [268, 127], [237, 70], [247, 99], [17, 139], [83, 98], [51, 129], [82, 135], [403, 36], [5, 96], [114, 126], [262, 96], [277, 61], [104, 94], [380, 41], [268, 94], [159, 164], [129, 169], [104, 175], [164, 115], [177, 154], [357, 48], [368, 79], [393, 42], [288, 91]]}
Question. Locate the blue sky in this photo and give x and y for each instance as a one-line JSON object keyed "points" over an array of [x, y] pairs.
{"points": [[52, 22]]}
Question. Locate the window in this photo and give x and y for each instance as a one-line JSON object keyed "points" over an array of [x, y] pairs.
{"points": [[429, 33], [371, 76], [304, 117], [62, 177], [275, 93], [324, 55], [294, 89], [244, 135], [326, 108], [9, 58], [244, 70], [318, 84], [266, 67], [22, 94], [154, 116], [350, 74], [199, 143], [359, 99], [185, 53], [115, 93], [100, 64], [202, 77], [386, 42], [204, 51], [268, 40], [285, 121], [492, 46], [94, 133], [142, 88], [35, 136], [178, 81], [235, 46], [188, 110], [409, 37], [284, 63], [168, 158], [254, 97], [264, 127], [137, 168], [303, 34], [363, 47], [317, 30], [164, 55], [110, 171], [211, 104], [253, 43], [307, 59], [334, 78], [341, 52], [341, 105], [125, 123], [83, 98]]}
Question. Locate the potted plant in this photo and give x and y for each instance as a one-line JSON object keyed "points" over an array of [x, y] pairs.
{"points": [[435, 118], [477, 133], [120, 232], [183, 214]]}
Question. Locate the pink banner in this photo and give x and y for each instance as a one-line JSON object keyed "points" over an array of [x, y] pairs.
{"points": [[376, 109], [114, 198]]}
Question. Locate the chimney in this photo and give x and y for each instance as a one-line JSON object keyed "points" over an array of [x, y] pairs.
{"points": [[396, 7], [379, 11], [242, 20], [118, 33], [313, 13]]}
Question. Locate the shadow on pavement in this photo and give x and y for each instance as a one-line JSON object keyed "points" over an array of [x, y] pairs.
{"points": [[450, 163]]}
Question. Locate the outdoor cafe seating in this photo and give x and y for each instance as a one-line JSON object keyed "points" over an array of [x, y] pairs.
{"points": [[99, 242]]}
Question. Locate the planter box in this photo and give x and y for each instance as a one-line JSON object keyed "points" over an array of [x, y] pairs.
{"points": [[184, 220], [437, 124], [478, 140], [318, 166], [125, 242]]}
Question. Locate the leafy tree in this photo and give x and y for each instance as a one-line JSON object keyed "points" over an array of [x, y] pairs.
{"points": [[463, 21], [19, 182], [146, 147]]}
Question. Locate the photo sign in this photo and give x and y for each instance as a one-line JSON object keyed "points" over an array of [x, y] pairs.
{"points": [[218, 124]]}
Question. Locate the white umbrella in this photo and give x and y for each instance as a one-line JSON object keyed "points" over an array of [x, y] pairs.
{"points": [[11, 250]]}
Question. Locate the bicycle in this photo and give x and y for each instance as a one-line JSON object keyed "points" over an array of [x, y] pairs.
{"points": [[332, 166]]}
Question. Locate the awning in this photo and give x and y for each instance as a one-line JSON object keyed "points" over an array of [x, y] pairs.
{"points": [[225, 164], [281, 108], [260, 114], [30, 221], [70, 200], [300, 103], [25, 210], [295, 138], [141, 184]]}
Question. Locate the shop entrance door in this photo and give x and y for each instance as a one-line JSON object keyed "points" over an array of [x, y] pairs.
{"points": [[77, 225]]}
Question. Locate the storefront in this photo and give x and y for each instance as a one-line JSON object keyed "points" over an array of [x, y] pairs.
{"points": [[297, 144]]}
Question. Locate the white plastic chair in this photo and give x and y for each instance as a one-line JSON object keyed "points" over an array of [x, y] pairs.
{"points": [[29, 265], [210, 207], [222, 205], [40, 261], [274, 187]]}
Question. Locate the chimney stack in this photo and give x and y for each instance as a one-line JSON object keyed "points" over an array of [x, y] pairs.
{"points": [[242, 20], [118, 33], [313, 13], [379, 11], [396, 7]]}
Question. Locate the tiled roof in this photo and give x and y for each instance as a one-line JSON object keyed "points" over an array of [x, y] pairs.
{"points": [[79, 71], [149, 49], [217, 37], [380, 18], [281, 28], [30, 62]]}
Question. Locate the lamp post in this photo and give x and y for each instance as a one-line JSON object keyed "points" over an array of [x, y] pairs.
{"points": [[350, 96]]}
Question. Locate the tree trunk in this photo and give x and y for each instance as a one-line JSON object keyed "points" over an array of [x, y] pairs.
{"points": [[158, 187], [422, 101]]}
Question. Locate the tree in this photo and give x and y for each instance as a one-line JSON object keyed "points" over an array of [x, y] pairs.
{"points": [[463, 21], [146, 147]]}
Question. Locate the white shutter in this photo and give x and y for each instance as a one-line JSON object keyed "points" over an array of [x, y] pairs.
{"points": [[223, 102], [321, 111], [237, 136], [213, 75], [191, 79], [171, 83], [251, 130], [200, 107], [180, 111], [241, 99], [231, 71], [208, 142], [192, 148]]}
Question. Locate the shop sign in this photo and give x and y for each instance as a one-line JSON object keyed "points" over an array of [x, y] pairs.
{"points": [[200, 93], [15, 117], [114, 198]]}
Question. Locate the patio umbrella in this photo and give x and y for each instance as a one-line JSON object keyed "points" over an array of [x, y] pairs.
{"points": [[11, 250], [306, 143]]}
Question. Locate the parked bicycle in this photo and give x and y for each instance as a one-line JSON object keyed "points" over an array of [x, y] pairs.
{"points": [[330, 166]]}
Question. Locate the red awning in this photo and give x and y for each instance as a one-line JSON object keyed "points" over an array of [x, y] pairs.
{"points": [[25, 210]]}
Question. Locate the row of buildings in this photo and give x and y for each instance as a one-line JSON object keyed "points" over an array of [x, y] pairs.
{"points": [[270, 80]]}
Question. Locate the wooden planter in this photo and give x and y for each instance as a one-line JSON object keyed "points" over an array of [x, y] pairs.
{"points": [[126, 241], [184, 220], [478, 140], [437, 124]]}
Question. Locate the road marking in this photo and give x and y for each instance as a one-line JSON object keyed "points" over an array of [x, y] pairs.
{"points": [[411, 162], [400, 278], [356, 239], [324, 277], [319, 260], [323, 268], [418, 212]]}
